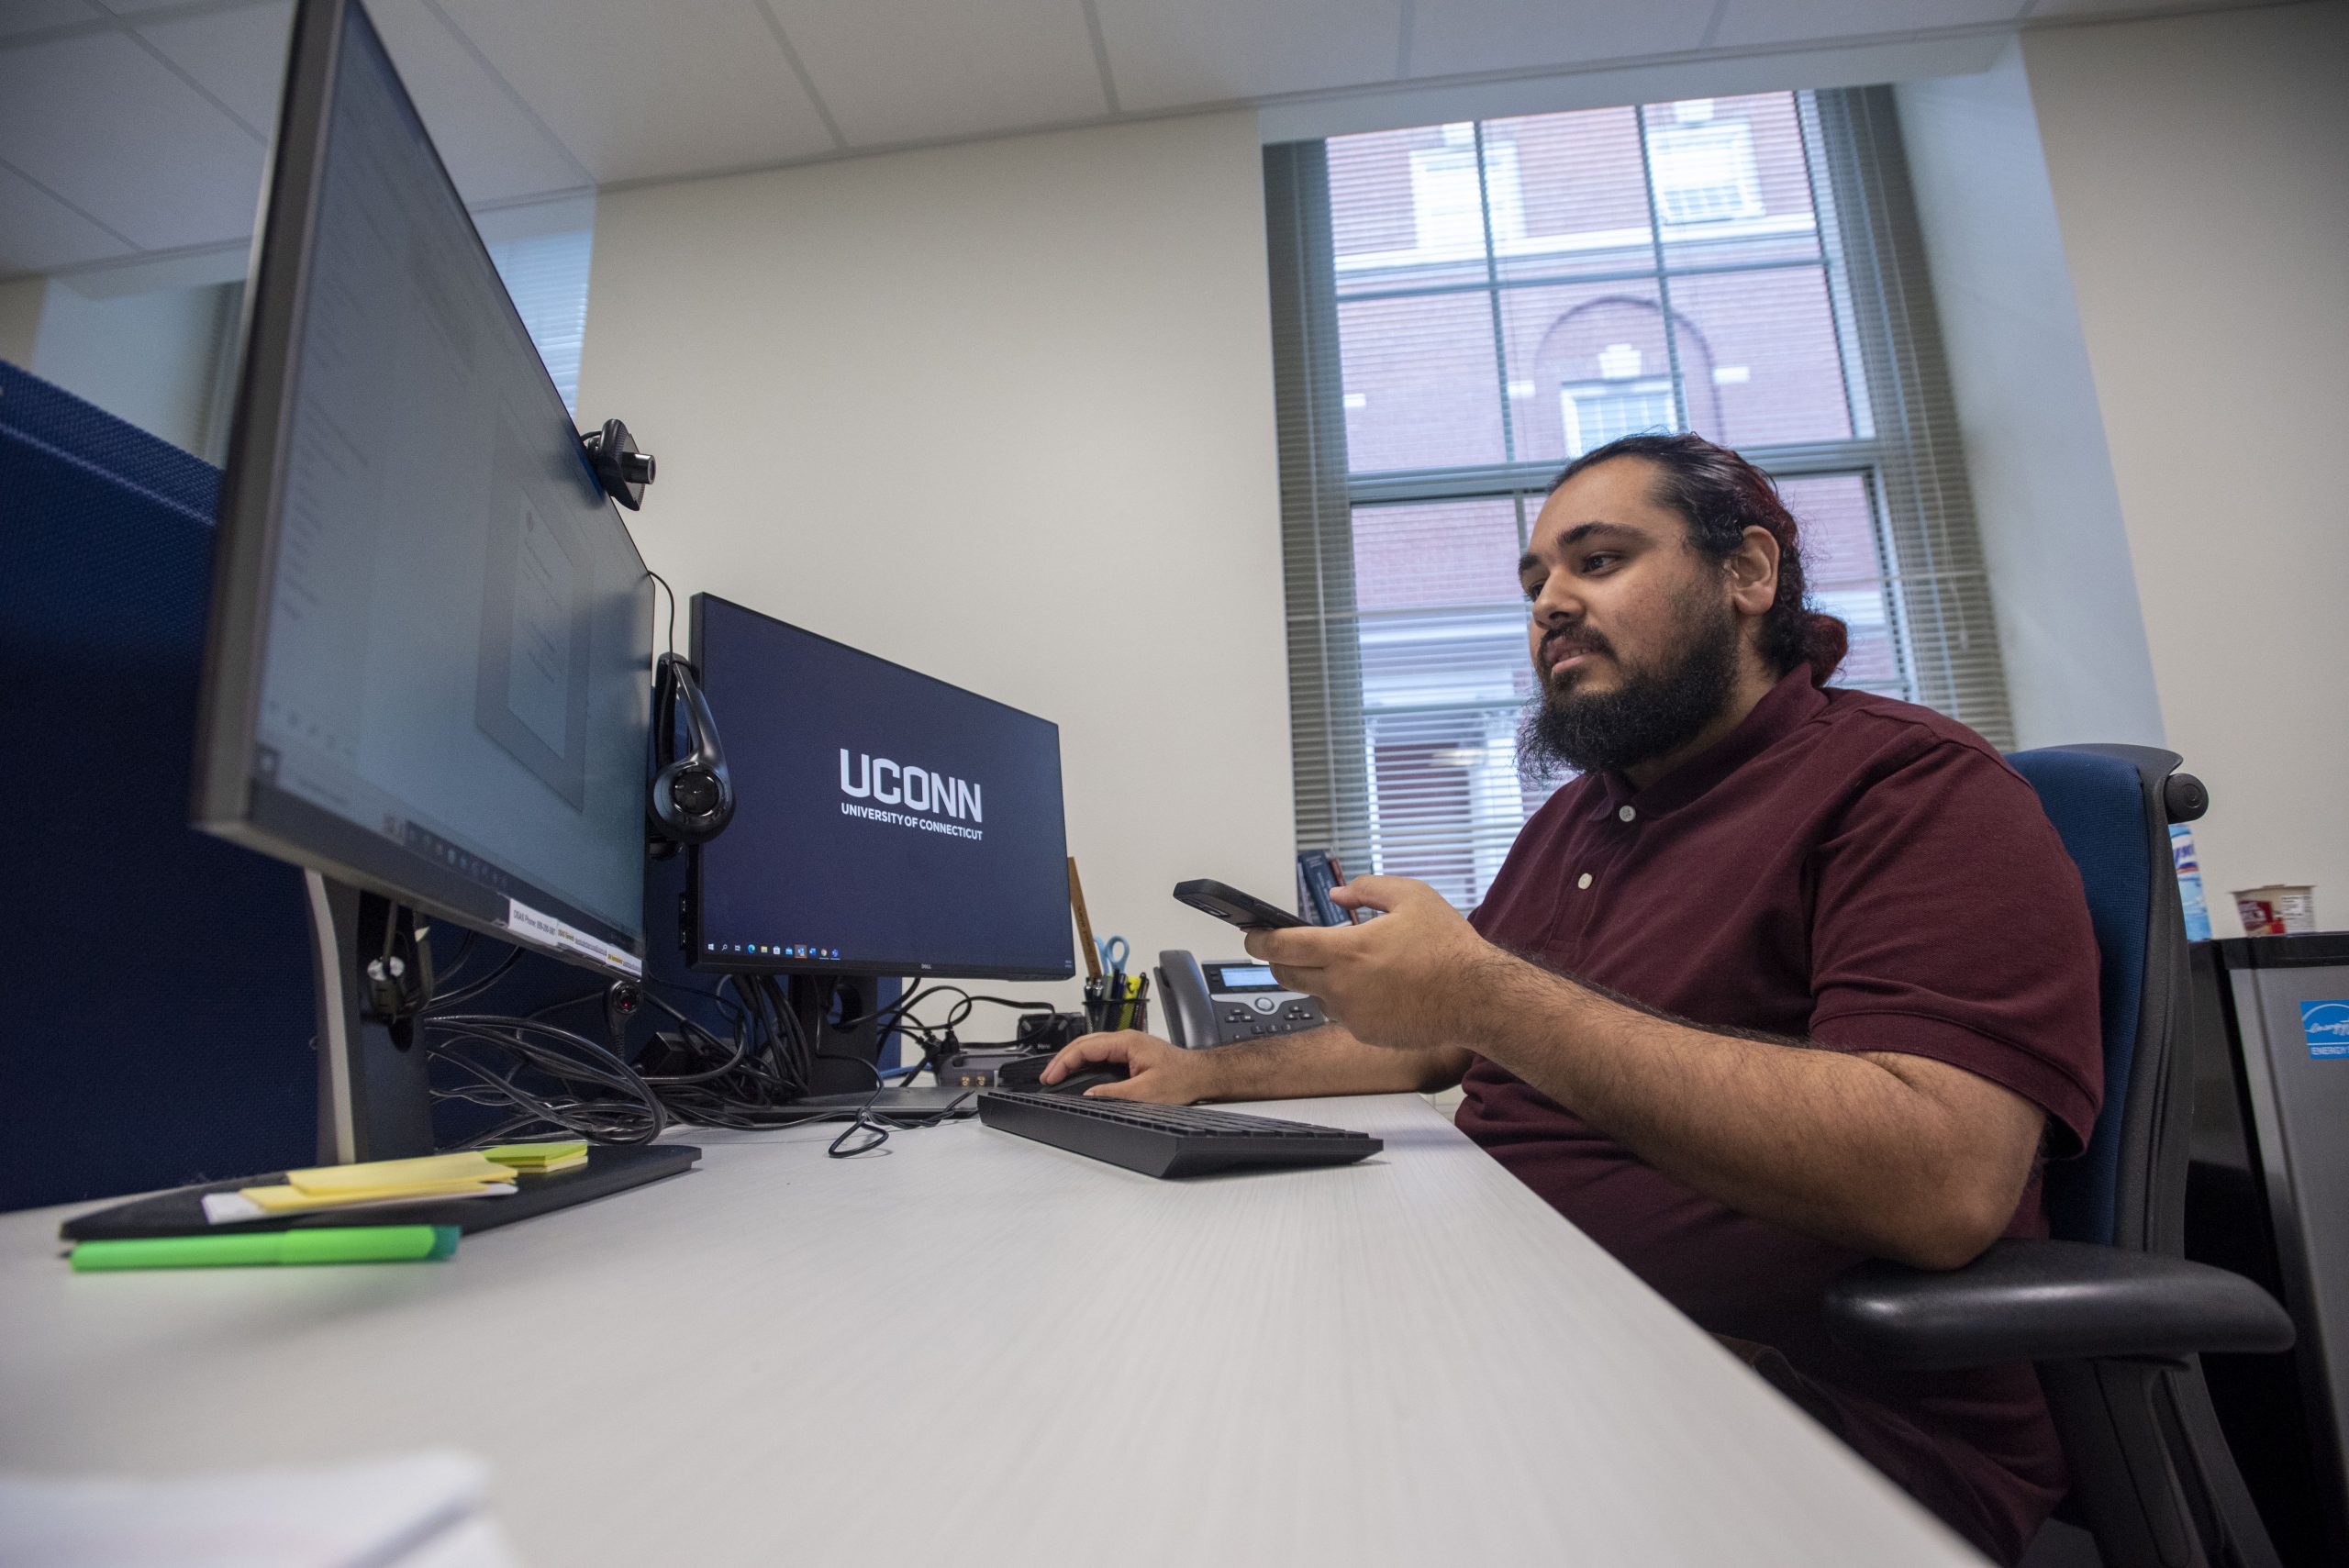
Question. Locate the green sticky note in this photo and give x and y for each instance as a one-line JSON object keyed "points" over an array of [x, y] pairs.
{"points": [[537, 1153]]}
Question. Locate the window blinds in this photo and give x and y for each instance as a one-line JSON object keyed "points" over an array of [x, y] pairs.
{"points": [[1459, 309], [547, 276]]}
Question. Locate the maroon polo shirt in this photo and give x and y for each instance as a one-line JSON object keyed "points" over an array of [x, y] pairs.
{"points": [[1865, 875]]}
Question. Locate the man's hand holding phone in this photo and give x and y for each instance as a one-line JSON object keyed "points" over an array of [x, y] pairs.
{"points": [[1405, 982]]}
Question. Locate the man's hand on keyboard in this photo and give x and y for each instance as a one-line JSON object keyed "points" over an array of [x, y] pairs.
{"points": [[1162, 1074]]}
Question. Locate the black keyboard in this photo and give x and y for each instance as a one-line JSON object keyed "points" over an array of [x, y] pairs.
{"points": [[1170, 1140]]}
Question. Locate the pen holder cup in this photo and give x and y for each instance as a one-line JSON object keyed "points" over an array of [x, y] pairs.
{"points": [[1103, 1016]]}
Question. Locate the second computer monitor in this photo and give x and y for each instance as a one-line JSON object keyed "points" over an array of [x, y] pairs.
{"points": [[886, 822]]}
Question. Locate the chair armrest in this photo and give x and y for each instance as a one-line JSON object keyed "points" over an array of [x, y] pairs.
{"points": [[2050, 1301]]}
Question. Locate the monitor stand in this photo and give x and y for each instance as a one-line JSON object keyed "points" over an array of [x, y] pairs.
{"points": [[846, 1058], [374, 1098], [375, 1101]]}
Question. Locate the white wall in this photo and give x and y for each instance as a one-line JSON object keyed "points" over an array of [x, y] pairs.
{"points": [[151, 358], [2201, 171], [20, 304], [1002, 412], [2077, 664]]}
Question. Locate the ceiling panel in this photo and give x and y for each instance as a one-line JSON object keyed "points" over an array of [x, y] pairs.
{"points": [[238, 57], [1165, 56], [495, 150], [1463, 37], [108, 128], [1794, 21], [909, 72], [639, 92], [40, 234], [33, 16]]}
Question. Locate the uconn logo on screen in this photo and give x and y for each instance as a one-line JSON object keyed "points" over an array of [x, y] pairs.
{"points": [[949, 803]]}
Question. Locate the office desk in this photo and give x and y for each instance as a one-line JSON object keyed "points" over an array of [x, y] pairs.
{"points": [[980, 1350]]}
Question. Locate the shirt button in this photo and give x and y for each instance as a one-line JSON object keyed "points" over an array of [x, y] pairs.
{"points": [[1626, 813], [1582, 880]]}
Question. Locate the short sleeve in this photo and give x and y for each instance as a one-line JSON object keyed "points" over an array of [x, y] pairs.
{"points": [[1948, 922]]}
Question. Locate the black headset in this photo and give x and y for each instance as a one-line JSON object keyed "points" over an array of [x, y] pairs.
{"points": [[692, 798]]}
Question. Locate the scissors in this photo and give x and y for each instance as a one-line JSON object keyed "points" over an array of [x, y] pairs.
{"points": [[1114, 953]]}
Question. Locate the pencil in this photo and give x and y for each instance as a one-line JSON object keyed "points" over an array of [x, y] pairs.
{"points": [[1083, 923]]}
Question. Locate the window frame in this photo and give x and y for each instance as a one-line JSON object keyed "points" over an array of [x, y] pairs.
{"points": [[1930, 589]]}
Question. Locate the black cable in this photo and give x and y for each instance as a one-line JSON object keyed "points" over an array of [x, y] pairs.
{"points": [[756, 1082], [672, 607], [583, 1087], [467, 992]]}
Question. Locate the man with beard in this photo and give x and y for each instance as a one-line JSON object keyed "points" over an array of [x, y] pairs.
{"points": [[1788, 977]]}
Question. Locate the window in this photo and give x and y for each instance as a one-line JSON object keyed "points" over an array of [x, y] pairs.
{"points": [[1596, 414], [547, 276], [1450, 189], [1704, 168], [1459, 309]]}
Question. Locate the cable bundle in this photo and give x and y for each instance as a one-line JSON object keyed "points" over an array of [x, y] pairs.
{"points": [[549, 1077]]}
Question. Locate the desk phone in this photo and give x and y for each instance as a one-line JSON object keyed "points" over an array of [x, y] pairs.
{"points": [[1224, 1000]]}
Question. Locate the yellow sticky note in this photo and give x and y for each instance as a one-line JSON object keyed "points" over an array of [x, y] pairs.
{"points": [[467, 1166], [293, 1200], [538, 1154]]}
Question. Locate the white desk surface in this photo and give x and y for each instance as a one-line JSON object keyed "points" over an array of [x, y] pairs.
{"points": [[977, 1349]]}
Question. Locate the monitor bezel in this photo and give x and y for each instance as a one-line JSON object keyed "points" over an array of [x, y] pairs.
{"points": [[228, 801], [906, 967]]}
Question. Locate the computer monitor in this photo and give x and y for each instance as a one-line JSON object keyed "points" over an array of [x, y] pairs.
{"points": [[428, 668], [884, 821]]}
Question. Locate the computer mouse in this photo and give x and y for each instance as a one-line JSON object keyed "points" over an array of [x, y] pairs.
{"points": [[1023, 1072], [1077, 1082]]}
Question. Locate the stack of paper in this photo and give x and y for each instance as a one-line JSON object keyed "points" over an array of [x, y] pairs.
{"points": [[375, 1184], [541, 1158], [425, 1511]]}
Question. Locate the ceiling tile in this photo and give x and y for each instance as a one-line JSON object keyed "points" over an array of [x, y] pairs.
{"points": [[107, 127], [39, 234], [638, 93], [1463, 37], [1165, 56], [1794, 21], [34, 16], [495, 150], [239, 55], [911, 71]]}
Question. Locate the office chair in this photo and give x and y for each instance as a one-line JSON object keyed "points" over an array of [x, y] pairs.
{"points": [[2109, 1308]]}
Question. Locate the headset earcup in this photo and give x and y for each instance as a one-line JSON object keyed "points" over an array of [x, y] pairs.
{"points": [[691, 798]]}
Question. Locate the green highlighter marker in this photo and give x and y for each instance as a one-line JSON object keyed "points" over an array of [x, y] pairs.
{"points": [[323, 1244]]}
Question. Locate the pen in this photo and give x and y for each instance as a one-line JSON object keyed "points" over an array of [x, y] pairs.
{"points": [[314, 1244]]}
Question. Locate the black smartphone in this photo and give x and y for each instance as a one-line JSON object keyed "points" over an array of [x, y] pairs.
{"points": [[1227, 903]]}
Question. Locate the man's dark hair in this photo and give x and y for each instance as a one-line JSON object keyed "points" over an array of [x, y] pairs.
{"points": [[1719, 495]]}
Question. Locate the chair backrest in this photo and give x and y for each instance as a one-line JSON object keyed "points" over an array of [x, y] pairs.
{"points": [[2110, 805]]}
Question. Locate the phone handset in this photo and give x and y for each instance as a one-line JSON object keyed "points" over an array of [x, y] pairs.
{"points": [[1190, 1016]]}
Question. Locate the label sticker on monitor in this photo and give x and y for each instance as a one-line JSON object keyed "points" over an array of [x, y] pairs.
{"points": [[545, 931], [2325, 1025]]}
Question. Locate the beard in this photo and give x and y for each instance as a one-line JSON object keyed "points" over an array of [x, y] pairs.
{"points": [[1655, 709]]}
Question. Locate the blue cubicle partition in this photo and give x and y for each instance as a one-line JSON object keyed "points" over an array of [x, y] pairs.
{"points": [[155, 1012], [155, 982]]}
